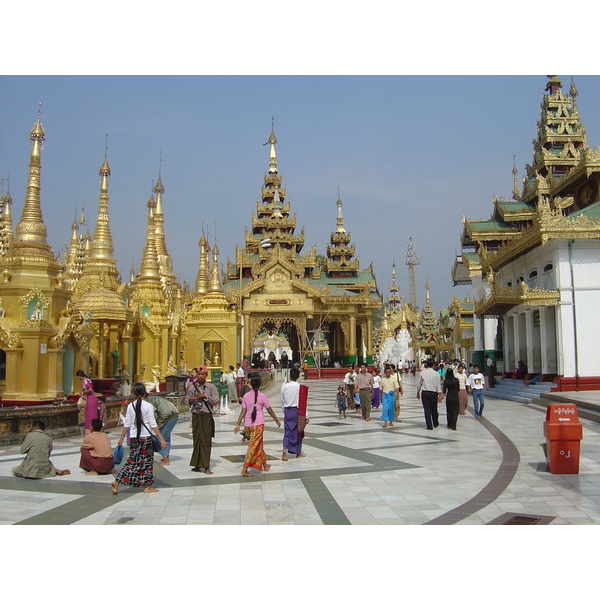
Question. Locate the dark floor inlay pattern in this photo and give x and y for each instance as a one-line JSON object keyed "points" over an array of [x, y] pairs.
{"points": [[521, 519]]}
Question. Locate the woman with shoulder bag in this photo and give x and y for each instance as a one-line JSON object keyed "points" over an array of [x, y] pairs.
{"points": [[138, 470]]}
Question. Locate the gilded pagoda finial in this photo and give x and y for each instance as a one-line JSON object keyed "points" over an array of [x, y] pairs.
{"points": [[340, 216], [158, 188], [31, 230], [149, 264], [553, 84], [515, 173], [573, 91], [215, 279], [202, 277], [272, 141]]}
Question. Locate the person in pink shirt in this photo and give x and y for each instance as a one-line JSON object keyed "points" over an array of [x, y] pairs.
{"points": [[253, 404]]}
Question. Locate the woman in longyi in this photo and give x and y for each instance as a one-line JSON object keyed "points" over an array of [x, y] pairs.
{"points": [[253, 404]]}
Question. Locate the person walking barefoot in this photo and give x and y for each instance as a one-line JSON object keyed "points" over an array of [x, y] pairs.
{"points": [[253, 404], [138, 470]]}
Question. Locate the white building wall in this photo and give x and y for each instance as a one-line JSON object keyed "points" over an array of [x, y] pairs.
{"points": [[557, 347]]}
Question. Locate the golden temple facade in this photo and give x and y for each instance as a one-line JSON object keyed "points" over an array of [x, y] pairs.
{"points": [[59, 315]]}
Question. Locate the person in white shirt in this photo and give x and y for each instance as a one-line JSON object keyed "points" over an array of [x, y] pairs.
{"points": [[349, 383], [376, 389], [463, 397], [290, 395], [429, 390], [140, 423], [475, 386], [239, 377]]}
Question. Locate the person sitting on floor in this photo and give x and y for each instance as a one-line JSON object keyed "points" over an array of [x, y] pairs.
{"points": [[96, 452], [37, 445]]}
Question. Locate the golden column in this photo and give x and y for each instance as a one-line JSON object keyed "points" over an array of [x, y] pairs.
{"points": [[352, 339]]}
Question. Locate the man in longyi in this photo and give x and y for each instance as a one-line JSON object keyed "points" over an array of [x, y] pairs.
{"points": [[290, 399], [202, 396]]}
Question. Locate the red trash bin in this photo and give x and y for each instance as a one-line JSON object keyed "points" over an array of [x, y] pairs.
{"points": [[563, 433]]}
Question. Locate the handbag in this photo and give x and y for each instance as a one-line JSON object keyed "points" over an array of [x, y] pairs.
{"points": [[156, 445], [118, 453]]}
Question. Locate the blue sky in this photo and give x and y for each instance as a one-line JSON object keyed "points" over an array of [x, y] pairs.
{"points": [[410, 155], [414, 113]]}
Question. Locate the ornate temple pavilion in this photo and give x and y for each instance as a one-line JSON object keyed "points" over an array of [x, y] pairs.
{"points": [[535, 264], [58, 315], [278, 288]]}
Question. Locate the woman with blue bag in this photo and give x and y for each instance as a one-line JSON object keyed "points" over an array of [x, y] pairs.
{"points": [[140, 423]]}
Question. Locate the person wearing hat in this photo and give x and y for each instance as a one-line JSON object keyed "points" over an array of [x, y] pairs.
{"points": [[202, 396]]}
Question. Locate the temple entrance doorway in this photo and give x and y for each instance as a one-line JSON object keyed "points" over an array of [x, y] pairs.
{"points": [[275, 339]]}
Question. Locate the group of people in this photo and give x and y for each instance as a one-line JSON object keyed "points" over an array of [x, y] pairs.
{"points": [[362, 390], [153, 416], [451, 381]]}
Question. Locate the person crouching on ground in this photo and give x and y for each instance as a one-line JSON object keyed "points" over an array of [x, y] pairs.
{"points": [[37, 445], [96, 452], [253, 404]]}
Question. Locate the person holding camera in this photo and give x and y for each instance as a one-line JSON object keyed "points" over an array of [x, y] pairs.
{"points": [[202, 395]]}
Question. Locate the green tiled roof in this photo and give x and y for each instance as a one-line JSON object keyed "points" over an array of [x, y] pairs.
{"points": [[517, 206], [592, 212], [472, 256], [491, 225]]}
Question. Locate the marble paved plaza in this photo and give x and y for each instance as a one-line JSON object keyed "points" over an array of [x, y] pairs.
{"points": [[354, 472]]}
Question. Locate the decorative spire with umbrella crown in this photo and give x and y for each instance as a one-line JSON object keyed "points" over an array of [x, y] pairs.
{"points": [[149, 264], [100, 258], [202, 277], [340, 216], [167, 272], [215, 280], [272, 156], [31, 231]]}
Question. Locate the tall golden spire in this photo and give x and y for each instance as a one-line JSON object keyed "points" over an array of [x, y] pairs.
{"points": [[215, 279], [148, 287], [149, 269], [166, 264], [31, 231], [202, 278], [102, 242], [100, 260]]}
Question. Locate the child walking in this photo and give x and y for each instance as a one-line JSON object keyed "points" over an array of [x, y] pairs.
{"points": [[341, 401]]}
